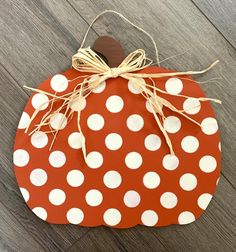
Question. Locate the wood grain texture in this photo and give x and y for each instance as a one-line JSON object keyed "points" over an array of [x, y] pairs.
{"points": [[13, 237], [222, 14], [107, 239], [98, 239], [10, 197], [38, 39]]}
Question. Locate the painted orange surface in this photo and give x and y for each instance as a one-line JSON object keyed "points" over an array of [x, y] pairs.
{"points": [[130, 178]]}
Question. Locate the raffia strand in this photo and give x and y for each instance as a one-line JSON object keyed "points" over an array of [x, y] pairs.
{"points": [[86, 60]]}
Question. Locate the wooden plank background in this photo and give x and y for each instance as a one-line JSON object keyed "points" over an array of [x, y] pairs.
{"points": [[38, 39]]}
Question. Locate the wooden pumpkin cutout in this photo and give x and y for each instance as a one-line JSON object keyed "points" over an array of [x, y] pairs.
{"points": [[130, 177]]}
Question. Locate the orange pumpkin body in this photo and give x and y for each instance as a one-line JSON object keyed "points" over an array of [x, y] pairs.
{"points": [[130, 179]]}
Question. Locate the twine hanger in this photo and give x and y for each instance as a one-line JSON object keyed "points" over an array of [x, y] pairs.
{"points": [[127, 21], [86, 60]]}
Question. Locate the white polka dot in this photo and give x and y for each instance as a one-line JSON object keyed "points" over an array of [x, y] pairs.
{"points": [[152, 142], [40, 212], [209, 126], [112, 179], [21, 157], [24, 121], [94, 159], [132, 199], [78, 104], [207, 163], [39, 139], [100, 88], [149, 218], [112, 217], [58, 121], [186, 218], [114, 104], [174, 86], [188, 182], [38, 177], [57, 197], [134, 88], [113, 141], [149, 104], [217, 181], [189, 144], [25, 194], [168, 200], [59, 83], [135, 122], [133, 160], [191, 106], [170, 162], [75, 178], [75, 140], [94, 197], [40, 101], [75, 216], [95, 122], [219, 146], [151, 180], [172, 124], [57, 159], [204, 200]]}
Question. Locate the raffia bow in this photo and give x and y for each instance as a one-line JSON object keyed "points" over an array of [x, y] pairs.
{"points": [[86, 60]]}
